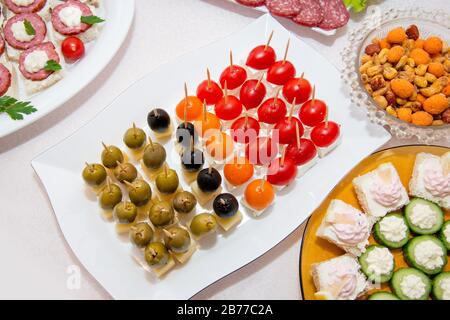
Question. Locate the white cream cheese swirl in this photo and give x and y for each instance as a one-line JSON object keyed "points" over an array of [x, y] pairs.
{"points": [[435, 180]]}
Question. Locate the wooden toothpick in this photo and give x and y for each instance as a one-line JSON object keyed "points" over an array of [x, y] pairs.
{"points": [[286, 51], [231, 58], [225, 90], [204, 110], [313, 100], [208, 74], [268, 41], [297, 134], [292, 109], [186, 93], [259, 80]]}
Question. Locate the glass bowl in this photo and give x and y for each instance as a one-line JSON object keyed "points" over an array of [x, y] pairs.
{"points": [[377, 24]]}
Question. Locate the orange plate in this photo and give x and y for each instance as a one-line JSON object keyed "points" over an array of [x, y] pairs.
{"points": [[315, 250]]}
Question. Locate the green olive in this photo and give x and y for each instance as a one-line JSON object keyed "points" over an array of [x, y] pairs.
{"points": [[167, 182], [177, 239], [139, 192], [141, 234], [184, 202], [134, 138], [111, 155], [125, 172], [125, 211], [110, 196], [203, 224], [154, 156], [94, 174], [156, 254], [161, 214]]}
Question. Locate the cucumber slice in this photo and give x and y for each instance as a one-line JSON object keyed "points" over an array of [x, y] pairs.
{"points": [[404, 280], [383, 295], [367, 262], [411, 254], [438, 292], [425, 207], [445, 230], [381, 238]]}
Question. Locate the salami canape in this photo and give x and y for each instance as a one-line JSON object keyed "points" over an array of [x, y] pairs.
{"points": [[25, 6], [5, 79], [24, 31], [2, 46]]}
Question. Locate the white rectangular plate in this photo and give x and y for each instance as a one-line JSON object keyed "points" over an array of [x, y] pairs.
{"points": [[95, 242], [119, 16]]}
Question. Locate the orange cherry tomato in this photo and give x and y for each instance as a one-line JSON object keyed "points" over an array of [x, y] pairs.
{"points": [[194, 108], [219, 145], [238, 171], [204, 123], [259, 197]]}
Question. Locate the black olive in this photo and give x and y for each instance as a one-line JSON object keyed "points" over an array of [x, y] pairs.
{"points": [[225, 205], [192, 161], [185, 132], [209, 182], [158, 120]]}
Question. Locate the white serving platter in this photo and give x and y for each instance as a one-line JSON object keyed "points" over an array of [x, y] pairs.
{"points": [[119, 16], [108, 257]]}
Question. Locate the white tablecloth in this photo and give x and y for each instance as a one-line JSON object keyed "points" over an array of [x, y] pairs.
{"points": [[35, 257]]}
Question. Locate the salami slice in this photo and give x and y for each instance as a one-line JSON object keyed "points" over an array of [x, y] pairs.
{"points": [[252, 3], [310, 15], [68, 30], [42, 74], [2, 45], [38, 25], [335, 14], [284, 8], [5, 79], [35, 6]]}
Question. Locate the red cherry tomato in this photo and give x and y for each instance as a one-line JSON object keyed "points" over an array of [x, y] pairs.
{"points": [[261, 151], [272, 111], [281, 72], [228, 108], [302, 155], [311, 114], [234, 76], [72, 48], [244, 130], [261, 57], [297, 88], [281, 174], [209, 91], [325, 134], [287, 130], [252, 93]]}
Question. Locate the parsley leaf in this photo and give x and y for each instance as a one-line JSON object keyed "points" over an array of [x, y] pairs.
{"points": [[91, 19], [29, 29], [356, 5], [52, 65], [15, 109]]}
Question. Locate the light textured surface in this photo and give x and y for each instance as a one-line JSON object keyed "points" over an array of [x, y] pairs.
{"points": [[36, 260]]}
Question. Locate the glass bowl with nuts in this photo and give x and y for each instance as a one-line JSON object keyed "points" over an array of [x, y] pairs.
{"points": [[397, 66]]}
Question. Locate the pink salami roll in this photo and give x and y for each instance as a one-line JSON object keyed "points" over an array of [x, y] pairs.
{"points": [[61, 27], [38, 25], [42, 74], [36, 6], [5, 79]]}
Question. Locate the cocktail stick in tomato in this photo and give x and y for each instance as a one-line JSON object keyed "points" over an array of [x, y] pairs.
{"points": [[252, 93], [229, 107], [298, 89], [238, 171], [209, 90], [313, 112], [207, 122], [281, 171], [287, 126], [262, 57], [191, 105], [325, 134], [233, 75], [272, 110], [281, 71], [219, 145], [301, 151], [245, 129], [262, 150], [259, 195]]}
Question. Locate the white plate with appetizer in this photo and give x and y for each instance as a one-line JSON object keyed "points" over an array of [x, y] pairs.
{"points": [[52, 49], [239, 226]]}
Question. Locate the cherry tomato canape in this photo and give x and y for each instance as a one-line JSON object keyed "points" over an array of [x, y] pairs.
{"points": [[287, 128], [262, 57], [281, 71], [228, 107], [252, 93], [234, 76], [259, 194], [219, 146], [272, 110], [190, 108], [72, 48], [238, 171], [261, 151], [298, 89], [281, 171], [313, 111], [209, 90], [245, 129], [207, 123], [325, 134], [302, 152]]}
